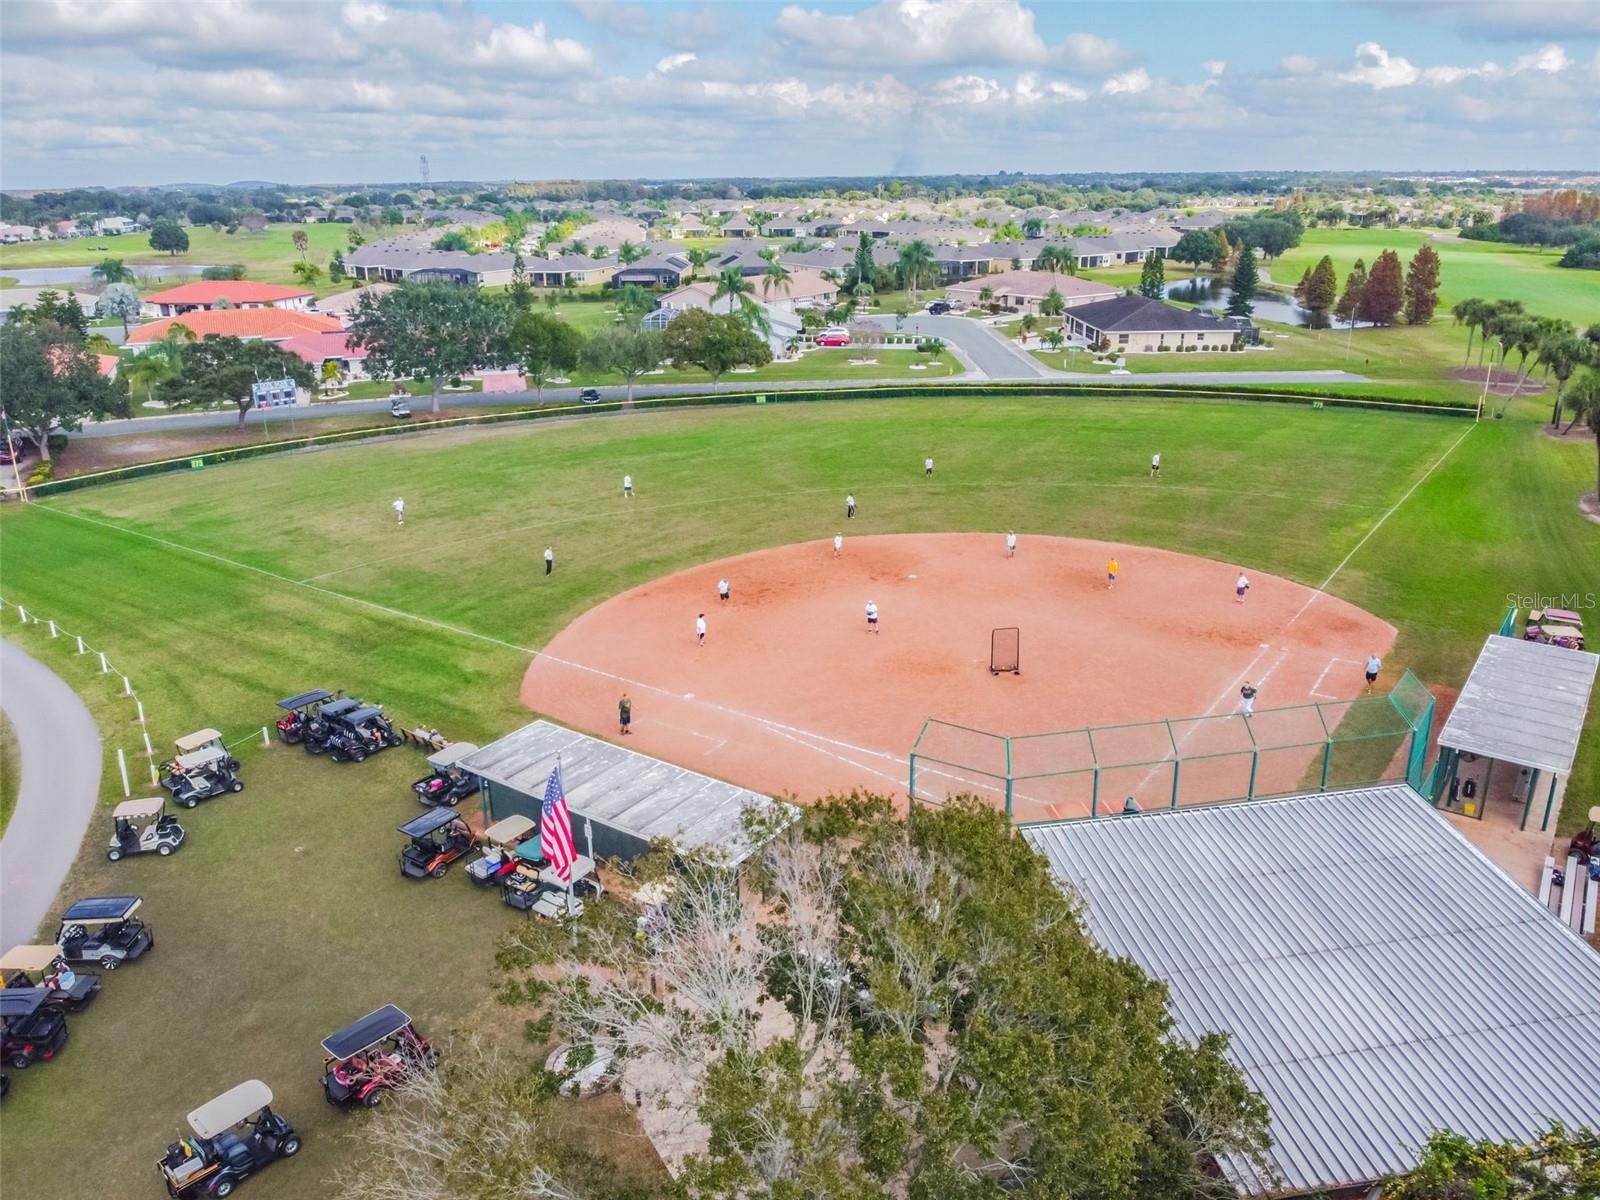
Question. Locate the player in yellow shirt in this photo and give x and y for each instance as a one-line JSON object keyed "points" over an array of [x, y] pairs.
{"points": [[1111, 573]]}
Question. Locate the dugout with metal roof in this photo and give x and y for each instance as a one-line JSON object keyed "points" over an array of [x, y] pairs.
{"points": [[1521, 711], [1377, 975], [621, 801]]}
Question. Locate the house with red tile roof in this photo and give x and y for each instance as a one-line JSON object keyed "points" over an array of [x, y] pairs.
{"points": [[321, 348], [205, 294], [251, 324]]}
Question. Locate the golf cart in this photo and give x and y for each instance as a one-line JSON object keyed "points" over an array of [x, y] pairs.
{"points": [[201, 775], [533, 887], [325, 724], [359, 732], [438, 838], [140, 826], [222, 1151], [30, 1031], [205, 739], [300, 710], [499, 843], [65, 990], [103, 930], [400, 407], [450, 783], [369, 1056]]}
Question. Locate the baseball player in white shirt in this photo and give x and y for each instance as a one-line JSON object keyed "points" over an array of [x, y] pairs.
{"points": [[722, 590], [627, 487], [1239, 589], [549, 560], [872, 616], [700, 630], [838, 544], [1011, 543], [399, 510]]}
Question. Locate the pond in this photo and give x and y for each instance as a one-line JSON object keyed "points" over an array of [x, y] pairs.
{"points": [[1208, 293], [51, 276]]}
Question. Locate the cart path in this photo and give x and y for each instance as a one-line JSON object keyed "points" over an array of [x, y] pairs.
{"points": [[60, 752]]}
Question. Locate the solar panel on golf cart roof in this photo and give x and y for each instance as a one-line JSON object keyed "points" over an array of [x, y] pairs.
{"points": [[101, 908], [370, 1029]]}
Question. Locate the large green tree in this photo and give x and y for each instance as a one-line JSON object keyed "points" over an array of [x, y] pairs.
{"points": [[1422, 286], [49, 382], [1563, 352], [1349, 307], [628, 352], [947, 1029], [1153, 278], [218, 370], [1246, 281], [1196, 246], [1472, 313], [1321, 292], [168, 235], [915, 267], [1384, 295], [1560, 1164], [429, 331], [112, 270], [730, 343], [546, 346], [119, 300]]}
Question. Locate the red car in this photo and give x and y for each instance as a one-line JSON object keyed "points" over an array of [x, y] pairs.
{"points": [[833, 337]]}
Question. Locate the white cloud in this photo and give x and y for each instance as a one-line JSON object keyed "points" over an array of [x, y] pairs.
{"points": [[1298, 64], [359, 14], [1086, 52], [1379, 70], [1550, 59], [1129, 83], [1215, 67], [1029, 90], [673, 61], [527, 48]]}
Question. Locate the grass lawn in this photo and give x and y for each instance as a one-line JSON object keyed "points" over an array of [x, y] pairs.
{"points": [[286, 916], [1466, 269], [268, 256], [10, 771]]}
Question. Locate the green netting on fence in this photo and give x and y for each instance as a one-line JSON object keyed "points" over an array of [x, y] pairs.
{"points": [[1182, 761]]}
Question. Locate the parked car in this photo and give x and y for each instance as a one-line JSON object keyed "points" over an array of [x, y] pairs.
{"points": [[938, 307], [588, 395], [833, 337], [222, 1153], [400, 407]]}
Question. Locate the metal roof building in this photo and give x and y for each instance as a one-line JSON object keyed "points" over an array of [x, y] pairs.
{"points": [[630, 799], [1523, 704], [1378, 976]]}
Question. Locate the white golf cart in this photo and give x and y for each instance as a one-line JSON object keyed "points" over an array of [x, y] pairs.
{"points": [[143, 826], [235, 1135], [205, 739]]}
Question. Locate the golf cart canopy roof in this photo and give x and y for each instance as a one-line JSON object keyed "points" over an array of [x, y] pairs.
{"points": [[197, 739], [508, 831], [365, 713], [366, 1033], [198, 759], [139, 810], [337, 708], [16, 1003], [29, 958], [227, 1110], [441, 760], [305, 698], [102, 910], [422, 825]]}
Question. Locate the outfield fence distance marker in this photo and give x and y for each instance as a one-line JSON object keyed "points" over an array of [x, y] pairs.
{"points": [[122, 766], [140, 705]]}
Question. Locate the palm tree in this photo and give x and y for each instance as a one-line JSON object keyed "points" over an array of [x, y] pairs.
{"points": [[577, 246], [1583, 402], [914, 264], [732, 284], [628, 254], [112, 270], [1502, 315], [776, 277], [1529, 333], [159, 360], [1029, 324], [698, 258], [1563, 352], [1055, 258], [1470, 313]]}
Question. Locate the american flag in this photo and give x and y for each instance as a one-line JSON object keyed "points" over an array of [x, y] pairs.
{"points": [[555, 828]]}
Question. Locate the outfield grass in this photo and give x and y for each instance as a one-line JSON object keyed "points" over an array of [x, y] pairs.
{"points": [[10, 771], [221, 590], [1487, 270]]}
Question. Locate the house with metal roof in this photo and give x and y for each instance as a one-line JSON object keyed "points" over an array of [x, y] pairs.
{"points": [[1135, 325], [1378, 977], [621, 801]]}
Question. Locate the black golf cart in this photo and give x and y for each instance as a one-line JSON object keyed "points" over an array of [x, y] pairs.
{"points": [[143, 827], [104, 930], [300, 710], [327, 724], [235, 1135], [30, 1031], [199, 776], [438, 838], [450, 783], [368, 1057], [367, 731], [66, 990]]}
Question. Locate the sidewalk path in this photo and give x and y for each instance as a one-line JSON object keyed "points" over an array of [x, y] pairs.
{"points": [[60, 749]]}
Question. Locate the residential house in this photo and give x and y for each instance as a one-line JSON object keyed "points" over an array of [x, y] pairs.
{"points": [[1024, 291], [251, 324], [1135, 325], [239, 293], [333, 346], [1132, 246], [803, 289], [105, 226], [11, 234], [574, 270], [397, 260], [340, 304], [686, 225], [611, 232], [788, 227], [668, 269], [747, 258], [739, 226]]}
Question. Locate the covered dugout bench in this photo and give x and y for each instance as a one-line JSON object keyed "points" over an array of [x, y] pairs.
{"points": [[620, 800], [1510, 740]]}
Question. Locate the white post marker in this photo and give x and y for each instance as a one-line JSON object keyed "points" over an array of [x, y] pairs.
{"points": [[127, 688], [105, 667], [122, 766], [52, 629], [22, 614], [139, 704], [80, 642], [149, 750], [265, 740], [155, 776]]}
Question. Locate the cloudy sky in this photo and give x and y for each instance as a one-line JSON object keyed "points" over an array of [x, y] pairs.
{"points": [[150, 91]]}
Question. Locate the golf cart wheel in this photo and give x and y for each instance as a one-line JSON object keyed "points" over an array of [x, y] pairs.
{"points": [[20, 1062], [431, 1059], [224, 1187], [358, 755], [373, 1098], [438, 872], [113, 855], [236, 786], [191, 801], [290, 1148], [109, 963], [164, 850], [395, 739]]}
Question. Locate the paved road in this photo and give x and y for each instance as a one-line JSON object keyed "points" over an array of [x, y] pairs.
{"points": [[60, 749], [992, 355]]}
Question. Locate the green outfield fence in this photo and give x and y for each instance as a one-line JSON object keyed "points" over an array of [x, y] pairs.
{"points": [[1308, 396], [1095, 771]]}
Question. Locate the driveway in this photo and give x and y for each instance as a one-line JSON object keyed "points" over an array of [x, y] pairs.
{"points": [[989, 354], [60, 749]]}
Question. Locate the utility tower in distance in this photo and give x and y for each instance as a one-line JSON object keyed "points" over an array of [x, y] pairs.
{"points": [[422, 162]]}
